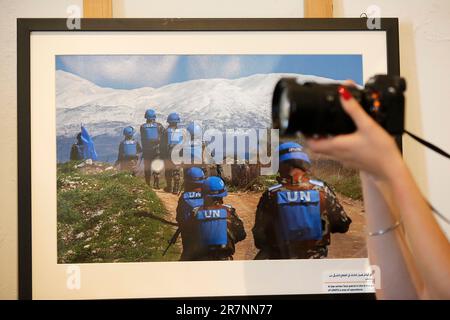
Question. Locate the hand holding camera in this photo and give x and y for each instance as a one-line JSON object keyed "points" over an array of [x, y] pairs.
{"points": [[355, 116], [315, 109], [369, 148]]}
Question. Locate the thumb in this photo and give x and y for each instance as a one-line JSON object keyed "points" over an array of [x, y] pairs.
{"points": [[353, 108]]}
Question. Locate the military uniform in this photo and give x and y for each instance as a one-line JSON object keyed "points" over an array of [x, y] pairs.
{"points": [[172, 172], [151, 141], [265, 231], [197, 153], [76, 152], [199, 246], [128, 155], [188, 201]]}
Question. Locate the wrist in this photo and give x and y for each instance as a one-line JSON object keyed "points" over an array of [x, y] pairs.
{"points": [[392, 167], [391, 163]]}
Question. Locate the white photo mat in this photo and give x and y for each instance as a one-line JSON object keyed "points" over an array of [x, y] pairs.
{"points": [[168, 279]]}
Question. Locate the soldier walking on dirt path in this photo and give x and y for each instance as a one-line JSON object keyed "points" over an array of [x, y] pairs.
{"points": [[129, 150], [172, 136], [216, 227], [195, 148], [294, 218], [190, 199], [151, 132]]}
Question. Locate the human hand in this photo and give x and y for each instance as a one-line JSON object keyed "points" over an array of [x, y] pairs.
{"points": [[370, 148]]}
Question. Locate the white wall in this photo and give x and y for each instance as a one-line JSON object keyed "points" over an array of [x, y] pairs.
{"points": [[9, 11], [424, 57], [425, 48], [208, 9]]}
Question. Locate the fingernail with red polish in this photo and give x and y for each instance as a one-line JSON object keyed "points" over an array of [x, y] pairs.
{"points": [[345, 94]]}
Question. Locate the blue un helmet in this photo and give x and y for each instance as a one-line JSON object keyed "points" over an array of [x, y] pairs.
{"points": [[128, 131], [195, 175], [194, 129], [173, 118], [150, 114], [214, 187], [292, 151]]}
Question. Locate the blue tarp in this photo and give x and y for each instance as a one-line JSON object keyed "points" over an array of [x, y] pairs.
{"points": [[89, 147]]}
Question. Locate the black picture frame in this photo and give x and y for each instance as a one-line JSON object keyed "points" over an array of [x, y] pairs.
{"points": [[26, 26]]}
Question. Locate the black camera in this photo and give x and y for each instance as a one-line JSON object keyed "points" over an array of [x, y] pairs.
{"points": [[315, 109]]}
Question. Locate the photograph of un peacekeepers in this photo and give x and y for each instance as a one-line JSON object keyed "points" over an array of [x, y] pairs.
{"points": [[209, 216], [125, 196]]}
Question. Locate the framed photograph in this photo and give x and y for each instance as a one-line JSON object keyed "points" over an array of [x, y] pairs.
{"points": [[140, 159]]}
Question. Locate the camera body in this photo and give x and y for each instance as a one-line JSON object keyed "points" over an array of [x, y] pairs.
{"points": [[315, 109]]}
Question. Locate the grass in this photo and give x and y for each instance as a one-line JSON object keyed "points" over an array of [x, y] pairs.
{"points": [[349, 186], [342, 180], [100, 218]]}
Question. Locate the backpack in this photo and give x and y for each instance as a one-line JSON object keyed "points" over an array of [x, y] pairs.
{"points": [[174, 136], [150, 132], [191, 200], [129, 148], [299, 215], [212, 227]]}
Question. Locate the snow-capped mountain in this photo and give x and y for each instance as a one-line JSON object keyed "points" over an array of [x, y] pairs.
{"points": [[218, 103]]}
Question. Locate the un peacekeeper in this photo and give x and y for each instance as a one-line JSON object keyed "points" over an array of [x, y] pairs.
{"points": [[129, 150], [172, 136], [294, 218], [151, 133], [195, 148], [216, 227], [190, 199], [77, 150]]}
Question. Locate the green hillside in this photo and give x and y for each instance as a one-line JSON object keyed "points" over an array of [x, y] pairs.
{"points": [[109, 216]]}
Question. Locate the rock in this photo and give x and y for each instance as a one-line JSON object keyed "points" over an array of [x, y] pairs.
{"points": [[130, 239], [98, 213], [88, 162], [87, 246], [80, 235], [109, 168]]}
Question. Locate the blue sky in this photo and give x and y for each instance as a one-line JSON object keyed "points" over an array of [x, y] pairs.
{"points": [[136, 71]]}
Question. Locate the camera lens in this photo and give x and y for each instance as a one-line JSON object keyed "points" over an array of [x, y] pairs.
{"points": [[281, 105], [315, 109]]}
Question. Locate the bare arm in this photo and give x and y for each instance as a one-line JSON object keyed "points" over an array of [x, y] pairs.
{"points": [[374, 152], [389, 251], [429, 245]]}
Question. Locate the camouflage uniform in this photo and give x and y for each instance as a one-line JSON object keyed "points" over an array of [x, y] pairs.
{"points": [[193, 251], [150, 152], [334, 220], [196, 160], [172, 171], [183, 214], [128, 163]]}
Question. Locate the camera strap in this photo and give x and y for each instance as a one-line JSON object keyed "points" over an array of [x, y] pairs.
{"points": [[428, 145], [442, 153]]}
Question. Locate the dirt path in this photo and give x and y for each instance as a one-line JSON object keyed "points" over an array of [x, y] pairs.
{"points": [[349, 245], [245, 204], [170, 202], [353, 243]]}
